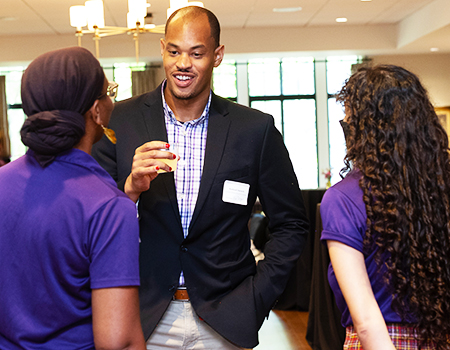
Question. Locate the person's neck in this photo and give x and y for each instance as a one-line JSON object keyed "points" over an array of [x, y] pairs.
{"points": [[84, 146], [86, 142], [188, 109]]}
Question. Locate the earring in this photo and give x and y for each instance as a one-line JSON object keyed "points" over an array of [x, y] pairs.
{"points": [[110, 134]]}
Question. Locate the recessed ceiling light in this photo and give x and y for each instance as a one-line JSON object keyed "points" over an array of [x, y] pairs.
{"points": [[287, 9], [341, 19], [434, 49], [366, 0]]}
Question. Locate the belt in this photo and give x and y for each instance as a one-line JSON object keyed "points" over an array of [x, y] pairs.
{"points": [[181, 295]]}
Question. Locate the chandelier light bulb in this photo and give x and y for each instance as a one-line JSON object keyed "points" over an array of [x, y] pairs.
{"points": [[95, 14], [133, 19], [77, 16], [138, 7], [92, 13]]}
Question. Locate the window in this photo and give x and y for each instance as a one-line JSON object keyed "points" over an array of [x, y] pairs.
{"points": [[273, 108], [298, 76], [338, 71], [224, 80], [300, 130], [16, 117], [264, 77], [121, 74], [285, 89]]}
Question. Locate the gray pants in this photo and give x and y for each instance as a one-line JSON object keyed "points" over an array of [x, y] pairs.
{"points": [[181, 329]]}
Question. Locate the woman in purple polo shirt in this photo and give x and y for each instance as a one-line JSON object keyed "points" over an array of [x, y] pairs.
{"points": [[68, 237], [387, 223]]}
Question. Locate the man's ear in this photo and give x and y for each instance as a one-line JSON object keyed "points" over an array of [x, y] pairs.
{"points": [[163, 46], [218, 55]]}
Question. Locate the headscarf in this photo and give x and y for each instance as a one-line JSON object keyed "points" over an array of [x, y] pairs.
{"points": [[58, 88]]}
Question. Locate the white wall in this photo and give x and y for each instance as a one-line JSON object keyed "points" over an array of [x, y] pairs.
{"points": [[432, 69], [362, 40], [377, 42]]}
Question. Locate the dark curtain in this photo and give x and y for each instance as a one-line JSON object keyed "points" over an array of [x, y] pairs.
{"points": [[146, 80], [308, 288], [5, 151]]}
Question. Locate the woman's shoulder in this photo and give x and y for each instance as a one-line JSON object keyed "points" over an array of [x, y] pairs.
{"points": [[343, 212], [347, 189], [344, 200], [82, 171]]}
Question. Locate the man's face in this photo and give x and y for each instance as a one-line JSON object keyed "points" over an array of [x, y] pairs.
{"points": [[189, 56]]}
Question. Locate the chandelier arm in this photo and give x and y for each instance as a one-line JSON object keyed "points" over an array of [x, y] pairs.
{"points": [[136, 45], [98, 32]]}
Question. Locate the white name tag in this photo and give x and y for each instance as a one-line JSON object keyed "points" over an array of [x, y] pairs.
{"points": [[235, 192]]}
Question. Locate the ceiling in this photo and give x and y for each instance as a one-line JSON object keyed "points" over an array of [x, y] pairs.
{"points": [[52, 16], [419, 24]]}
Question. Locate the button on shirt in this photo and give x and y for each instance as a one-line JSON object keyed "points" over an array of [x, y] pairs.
{"points": [[190, 140]]}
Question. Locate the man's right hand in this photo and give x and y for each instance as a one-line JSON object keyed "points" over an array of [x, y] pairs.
{"points": [[146, 163]]}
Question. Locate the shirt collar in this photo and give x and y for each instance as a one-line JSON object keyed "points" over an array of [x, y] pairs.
{"points": [[82, 159], [170, 116]]}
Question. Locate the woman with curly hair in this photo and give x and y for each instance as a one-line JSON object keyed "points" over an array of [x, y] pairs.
{"points": [[387, 223]]}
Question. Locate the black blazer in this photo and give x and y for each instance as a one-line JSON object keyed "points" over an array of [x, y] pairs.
{"points": [[226, 288]]}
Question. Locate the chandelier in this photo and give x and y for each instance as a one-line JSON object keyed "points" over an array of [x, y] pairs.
{"points": [[91, 15]]}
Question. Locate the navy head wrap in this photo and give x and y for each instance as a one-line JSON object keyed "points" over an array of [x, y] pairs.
{"points": [[58, 88]]}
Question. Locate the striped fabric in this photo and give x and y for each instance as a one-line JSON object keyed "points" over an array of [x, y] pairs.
{"points": [[403, 338]]}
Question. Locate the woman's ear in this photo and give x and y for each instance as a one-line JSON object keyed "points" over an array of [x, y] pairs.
{"points": [[94, 111]]}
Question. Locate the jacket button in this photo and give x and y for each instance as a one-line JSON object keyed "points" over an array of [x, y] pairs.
{"points": [[183, 248]]}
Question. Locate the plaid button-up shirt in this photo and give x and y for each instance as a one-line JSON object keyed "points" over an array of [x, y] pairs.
{"points": [[190, 139]]}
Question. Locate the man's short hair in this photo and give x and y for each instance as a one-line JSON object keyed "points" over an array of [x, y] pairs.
{"points": [[195, 11]]}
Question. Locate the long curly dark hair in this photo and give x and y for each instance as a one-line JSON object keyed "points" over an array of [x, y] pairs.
{"points": [[397, 142]]}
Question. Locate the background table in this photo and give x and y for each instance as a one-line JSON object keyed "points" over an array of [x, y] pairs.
{"points": [[308, 288], [324, 331]]}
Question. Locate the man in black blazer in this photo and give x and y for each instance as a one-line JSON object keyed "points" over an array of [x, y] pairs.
{"points": [[205, 260]]}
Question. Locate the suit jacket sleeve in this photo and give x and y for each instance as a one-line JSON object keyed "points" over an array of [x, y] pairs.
{"points": [[282, 203]]}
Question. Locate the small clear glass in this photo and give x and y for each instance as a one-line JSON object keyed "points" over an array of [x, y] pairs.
{"points": [[170, 162]]}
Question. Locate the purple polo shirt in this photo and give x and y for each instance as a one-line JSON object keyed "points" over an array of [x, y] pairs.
{"points": [[64, 230], [343, 214]]}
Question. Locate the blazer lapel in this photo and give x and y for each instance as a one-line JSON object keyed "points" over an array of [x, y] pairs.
{"points": [[218, 126], [153, 115]]}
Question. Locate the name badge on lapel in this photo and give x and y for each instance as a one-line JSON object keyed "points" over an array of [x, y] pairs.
{"points": [[235, 192]]}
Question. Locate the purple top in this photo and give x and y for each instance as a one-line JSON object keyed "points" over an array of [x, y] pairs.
{"points": [[344, 217], [65, 229]]}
